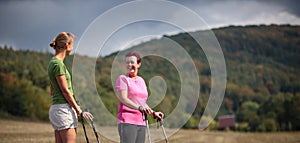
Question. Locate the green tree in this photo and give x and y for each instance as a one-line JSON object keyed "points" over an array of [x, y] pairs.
{"points": [[248, 113], [268, 125]]}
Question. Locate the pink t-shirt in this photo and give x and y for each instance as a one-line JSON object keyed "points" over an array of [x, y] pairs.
{"points": [[137, 92]]}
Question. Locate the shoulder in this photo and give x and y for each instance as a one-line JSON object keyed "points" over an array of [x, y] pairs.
{"points": [[141, 79], [122, 78], [57, 67], [56, 62]]}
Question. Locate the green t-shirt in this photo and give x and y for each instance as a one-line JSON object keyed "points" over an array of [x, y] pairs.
{"points": [[55, 68]]}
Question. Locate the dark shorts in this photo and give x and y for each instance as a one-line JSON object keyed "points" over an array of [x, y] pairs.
{"points": [[131, 133]]}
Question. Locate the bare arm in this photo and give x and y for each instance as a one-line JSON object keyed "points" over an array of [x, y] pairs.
{"points": [[123, 97], [159, 115], [62, 82]]}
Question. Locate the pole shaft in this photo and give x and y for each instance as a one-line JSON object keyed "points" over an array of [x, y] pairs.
{"points": [[147, 125], [164, 131]]}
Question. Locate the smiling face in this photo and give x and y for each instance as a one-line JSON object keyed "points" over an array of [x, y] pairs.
{"points": [[132, 66]]}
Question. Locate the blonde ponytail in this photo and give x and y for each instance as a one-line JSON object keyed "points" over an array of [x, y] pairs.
{"points": [[61, 39]]}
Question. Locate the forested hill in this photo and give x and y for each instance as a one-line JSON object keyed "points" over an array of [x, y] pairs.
{"points": [[263, 82], [277, 43]]}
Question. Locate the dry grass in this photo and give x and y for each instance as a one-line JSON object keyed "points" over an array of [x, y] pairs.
{"points": [[37, 132], [193, 136]]}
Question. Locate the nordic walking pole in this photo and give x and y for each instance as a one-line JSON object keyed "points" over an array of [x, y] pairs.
{"points": [[94, 129], [147, 125], [160, 120], [83, 126], [92, 122], [163, 129]]}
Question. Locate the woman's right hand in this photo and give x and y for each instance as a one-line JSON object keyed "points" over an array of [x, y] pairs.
{"points": [[145, 110]]}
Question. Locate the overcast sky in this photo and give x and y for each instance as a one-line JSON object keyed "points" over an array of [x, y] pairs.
{"points": [[32, 24]]}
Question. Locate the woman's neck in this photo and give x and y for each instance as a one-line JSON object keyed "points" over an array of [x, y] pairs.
{"points": [[132, 76], [61, 56]]}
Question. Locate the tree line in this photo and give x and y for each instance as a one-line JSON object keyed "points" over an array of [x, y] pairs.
{"points": [[263, 86]]}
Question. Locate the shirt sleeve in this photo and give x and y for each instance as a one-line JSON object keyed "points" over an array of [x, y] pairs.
{"points": [[121, 83], [59, 69]]}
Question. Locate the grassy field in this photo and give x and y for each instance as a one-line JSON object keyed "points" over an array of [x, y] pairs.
{"points": [[38, 132]]}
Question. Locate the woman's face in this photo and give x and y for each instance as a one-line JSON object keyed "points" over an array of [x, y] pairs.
{"points": [[69, 48], [132, 66]]}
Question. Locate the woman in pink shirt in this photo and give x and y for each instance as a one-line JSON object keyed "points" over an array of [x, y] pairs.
{"points": [[133, 94]]}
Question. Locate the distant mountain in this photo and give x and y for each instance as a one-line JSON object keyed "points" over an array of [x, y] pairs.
{"points": [[263, 82]]}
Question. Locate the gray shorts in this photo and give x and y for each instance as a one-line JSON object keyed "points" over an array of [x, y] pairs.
{"points": [[131, 133], [63, 116]]}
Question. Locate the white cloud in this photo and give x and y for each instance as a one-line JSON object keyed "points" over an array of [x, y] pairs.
{"points": [[278, 18], [224, 13]]}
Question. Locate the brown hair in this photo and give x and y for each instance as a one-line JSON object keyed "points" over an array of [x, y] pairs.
{"points": [[61, 39], [136, 54]]}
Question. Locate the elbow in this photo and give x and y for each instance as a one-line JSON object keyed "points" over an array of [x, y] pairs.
{"points": [[122, 100]]}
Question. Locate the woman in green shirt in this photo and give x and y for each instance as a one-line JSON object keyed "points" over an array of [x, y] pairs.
{"points": [[64, 109]]}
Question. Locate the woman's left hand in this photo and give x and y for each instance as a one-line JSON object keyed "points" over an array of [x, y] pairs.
{"points": [[87, 115], [158, 115]]}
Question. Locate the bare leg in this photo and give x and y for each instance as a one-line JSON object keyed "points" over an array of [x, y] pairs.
{"points": [[57, 137], [68, 135]]}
